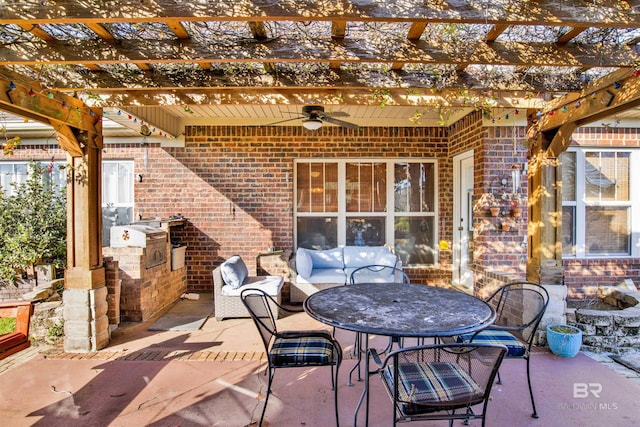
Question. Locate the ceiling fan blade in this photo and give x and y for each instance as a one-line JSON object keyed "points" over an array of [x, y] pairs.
{"points": [[285, 120], [336, 114], [338, 122]]}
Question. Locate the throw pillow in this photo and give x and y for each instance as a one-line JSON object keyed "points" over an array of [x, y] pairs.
{"points": [[234, 271], [304, 265]]}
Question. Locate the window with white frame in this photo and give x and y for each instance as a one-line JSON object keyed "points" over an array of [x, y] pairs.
{"points": [[18, 172], [117, 187], [117, 195], [368, 203], [597, 202]]}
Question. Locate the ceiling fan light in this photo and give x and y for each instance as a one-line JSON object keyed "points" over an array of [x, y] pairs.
{"points": [[312, 124]]}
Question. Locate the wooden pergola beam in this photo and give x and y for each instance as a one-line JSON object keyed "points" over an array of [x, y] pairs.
{"points": [[300, 96], [615, 13], [58, 111], [612, 94], [324, 50]]}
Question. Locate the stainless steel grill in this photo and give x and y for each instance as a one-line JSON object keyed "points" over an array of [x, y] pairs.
{"points": [[153, 239]]}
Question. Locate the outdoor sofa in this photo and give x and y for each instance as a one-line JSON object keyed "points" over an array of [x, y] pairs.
{"points": [[231, 278], [313, 270]]}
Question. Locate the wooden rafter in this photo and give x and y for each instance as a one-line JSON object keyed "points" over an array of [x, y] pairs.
{"points": [[570, 35], [338, 31], [291, 96], [324, 50], [492, 35], [374, 56], [415, 31], [615, 13], [259, 32]]}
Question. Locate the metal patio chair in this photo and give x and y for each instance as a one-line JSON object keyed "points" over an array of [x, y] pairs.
{"points": [[519, 308], [291, 349], [440, 381]]}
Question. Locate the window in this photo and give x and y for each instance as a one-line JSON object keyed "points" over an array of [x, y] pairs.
{"points": [[117, 188], [18, 172], [597, 203], [117, 195], [368, 203]]}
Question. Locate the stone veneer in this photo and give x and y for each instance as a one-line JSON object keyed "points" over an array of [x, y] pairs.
{"points": [[86, 325], [612, 331]]}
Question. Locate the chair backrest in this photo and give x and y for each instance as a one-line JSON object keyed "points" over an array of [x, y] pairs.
{"points": [[462, 375], [378, 274], [520, 305], [257, 303]]}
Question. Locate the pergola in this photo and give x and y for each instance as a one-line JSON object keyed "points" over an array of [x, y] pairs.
{"points": [[67, 64]]}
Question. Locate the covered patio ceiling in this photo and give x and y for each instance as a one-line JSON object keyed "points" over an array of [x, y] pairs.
{"points": [[372, 63]]}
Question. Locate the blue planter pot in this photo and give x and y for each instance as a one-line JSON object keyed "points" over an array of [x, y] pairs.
{"points": [[564, 343]]}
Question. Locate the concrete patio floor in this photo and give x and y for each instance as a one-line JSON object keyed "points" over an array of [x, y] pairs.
{"points": [[215, 377]]}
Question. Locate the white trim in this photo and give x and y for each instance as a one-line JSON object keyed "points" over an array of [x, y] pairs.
{"points": [[389, 213], [581, 227]]}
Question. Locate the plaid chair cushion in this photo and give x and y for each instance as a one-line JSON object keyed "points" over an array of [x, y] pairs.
{"points": [[301, 351], [515, 347], [431, 383]]}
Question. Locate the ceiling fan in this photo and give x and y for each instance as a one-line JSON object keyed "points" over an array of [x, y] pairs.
{"points": [[314, 115]]}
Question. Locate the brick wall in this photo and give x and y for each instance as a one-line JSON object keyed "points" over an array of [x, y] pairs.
{"points": [[235, 185], [242, 178]]}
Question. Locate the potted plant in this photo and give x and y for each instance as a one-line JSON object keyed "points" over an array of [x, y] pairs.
{"points": [[489, 200], [506, 225], [564, 340]]}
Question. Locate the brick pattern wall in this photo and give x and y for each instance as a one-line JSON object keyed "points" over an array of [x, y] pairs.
{"points": [[242, 181], [501, 252], [584, 277], [144, 292], [235, 185]]}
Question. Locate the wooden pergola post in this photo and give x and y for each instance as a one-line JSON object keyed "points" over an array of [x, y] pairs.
{"points": [[544, 263], [79, 133], [85, 295]]}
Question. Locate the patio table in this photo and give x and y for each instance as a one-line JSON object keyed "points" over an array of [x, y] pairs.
{"points": [[397, 311]]}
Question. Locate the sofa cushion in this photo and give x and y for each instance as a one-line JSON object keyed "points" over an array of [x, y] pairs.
{"points": [[329, 258], [376, 275], [324, 275], [304, 264], [270, 284], [234, 271], [361, 256]]}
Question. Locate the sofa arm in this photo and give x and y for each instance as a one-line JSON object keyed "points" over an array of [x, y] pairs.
{"points": [[218, 282]]}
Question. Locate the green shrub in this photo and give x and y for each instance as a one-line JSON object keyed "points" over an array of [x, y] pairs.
{"points": [[33, 225], [7, 325]]}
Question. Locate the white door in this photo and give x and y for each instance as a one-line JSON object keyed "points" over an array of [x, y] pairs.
{"points": [[463, 221]]}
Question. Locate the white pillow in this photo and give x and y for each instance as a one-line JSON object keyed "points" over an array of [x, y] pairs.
{"points": [[234, 271], [304, 265]]}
